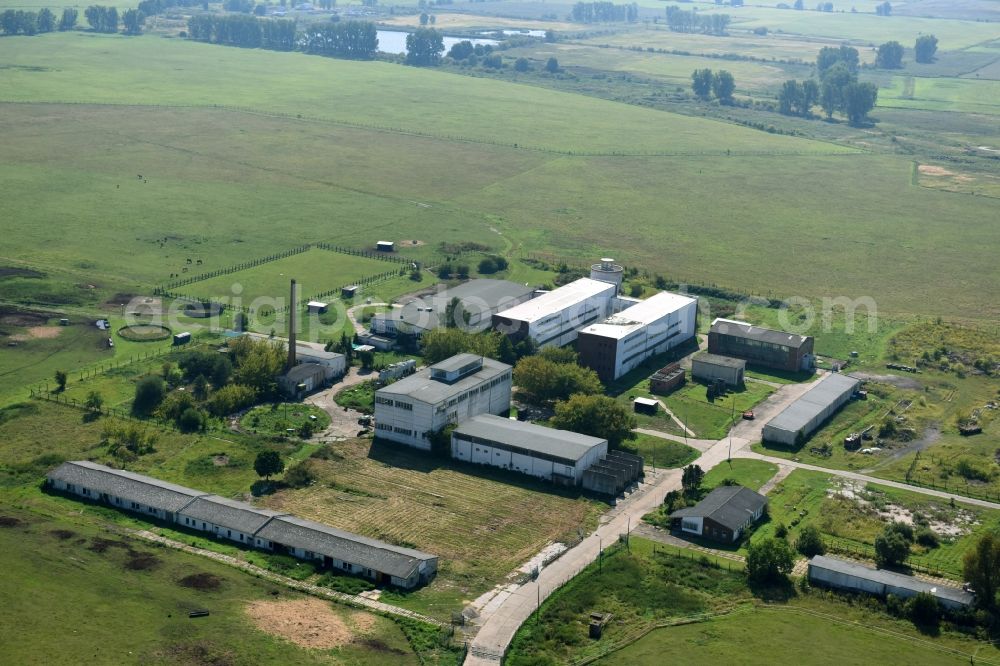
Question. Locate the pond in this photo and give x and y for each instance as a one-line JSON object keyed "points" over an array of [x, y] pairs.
{"points": [[514, 32], [394, 41]]}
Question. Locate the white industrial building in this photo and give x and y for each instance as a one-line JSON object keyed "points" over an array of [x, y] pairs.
{"points": [[555, 455], [452, 391], [624, 340], [244, 523], [553, 319], [856, 577], [795, 423]]}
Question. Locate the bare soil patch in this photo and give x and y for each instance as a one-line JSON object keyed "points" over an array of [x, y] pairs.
{"points": [[22, 319], [198, 653], [141, 561], [379, 646], [10, 521], [205, 582], [220, 460], [63, 535], [99, 545], [309, 623], [45, 332], [931, 170]]}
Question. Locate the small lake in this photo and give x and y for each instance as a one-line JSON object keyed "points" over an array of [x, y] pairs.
{"points": [[394, 41], [515, 32]]}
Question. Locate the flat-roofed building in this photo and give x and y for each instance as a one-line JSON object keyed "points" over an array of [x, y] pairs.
{"points": [[554, 318], [410, 410], [796, 422], [707, 367], [477, 302], [559, 456], [763, 347], [623, 341]]}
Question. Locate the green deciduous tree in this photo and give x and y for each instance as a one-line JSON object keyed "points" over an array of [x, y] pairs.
{"points": [[268, 463], [191, 420], [132, 20], [94, 402], [701, 83], [981, 566], [551, 65], [46, 20], [68, 19], [769, 560], [441, 343], [597, 416], [149, 393], [545, 381], [830, 56], [61, 378], [521, 65], [859, 99], [692, 477], [889, 56], [892, 546], [424, 47], [231, 398], [723, 86], [810, 542], [925, 48]]}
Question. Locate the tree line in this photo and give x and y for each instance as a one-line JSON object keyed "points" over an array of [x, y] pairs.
{"points": [[890, 54], [355, 40], [244, 31], [19, 22], [604, 12], [680, 20]]}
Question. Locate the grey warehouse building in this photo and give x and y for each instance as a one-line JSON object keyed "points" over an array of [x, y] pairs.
{"points": [[708, 367], [856, 577], [244, 523], [803, 417], [479, 299]]}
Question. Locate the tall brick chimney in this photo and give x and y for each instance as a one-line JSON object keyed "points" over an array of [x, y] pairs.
{"points": [[292, 325]]}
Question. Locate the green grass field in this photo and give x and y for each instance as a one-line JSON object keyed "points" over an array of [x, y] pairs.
{"points": [[941, 94], [750, 473], [712, 420], [758, 637], [315, 271], [660, 452]]}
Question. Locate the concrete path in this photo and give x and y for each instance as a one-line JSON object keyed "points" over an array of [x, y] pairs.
{"points": [[869, 479], [360, 328], [779, 476], [351, 599]]}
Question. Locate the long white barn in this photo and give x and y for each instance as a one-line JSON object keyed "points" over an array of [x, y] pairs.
{"points": [[243, 523]]}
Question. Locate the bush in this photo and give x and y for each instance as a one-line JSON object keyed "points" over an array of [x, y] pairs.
{"points": [[923, 610], [927, 538], [191, 420], [810, 542], [781, 531], [769, 560], [301, 475], [892, 547], [149, 393]]}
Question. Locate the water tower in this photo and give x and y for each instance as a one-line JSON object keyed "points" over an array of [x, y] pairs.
{"points": [[608, 271]]}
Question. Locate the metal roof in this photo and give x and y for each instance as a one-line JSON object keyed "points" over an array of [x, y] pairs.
{"points": [[813, 402], [718, 359], [129, 486], [641, 314], [345, 546], [564, 297], [891, 578], [229, 513], [476, 296], [742, 329], [457, 362], [420, 386], [729, 506], [569, 446]]}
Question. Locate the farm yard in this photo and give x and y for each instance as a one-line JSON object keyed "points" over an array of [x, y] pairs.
{"points": [[135, 164]]}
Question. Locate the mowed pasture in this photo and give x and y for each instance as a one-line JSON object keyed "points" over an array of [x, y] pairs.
{"points": [[475, 518], [84, 68], [942, 94], [787, 633], [315, 271]]}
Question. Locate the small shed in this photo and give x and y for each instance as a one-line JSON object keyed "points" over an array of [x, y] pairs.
{"points": [[182, 338], [64, 322], [364, 348], [666, 379], [708, 367], [646, 405], [350, 291], [316, 307], [385, 246]]}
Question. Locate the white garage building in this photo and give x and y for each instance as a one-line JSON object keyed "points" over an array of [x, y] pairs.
{"points": [[555, 455], [451, 391], [803, 417]]}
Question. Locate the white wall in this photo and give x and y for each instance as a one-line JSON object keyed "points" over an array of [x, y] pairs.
{"points": [[658, 336], [692, 525], [562, 327]]}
